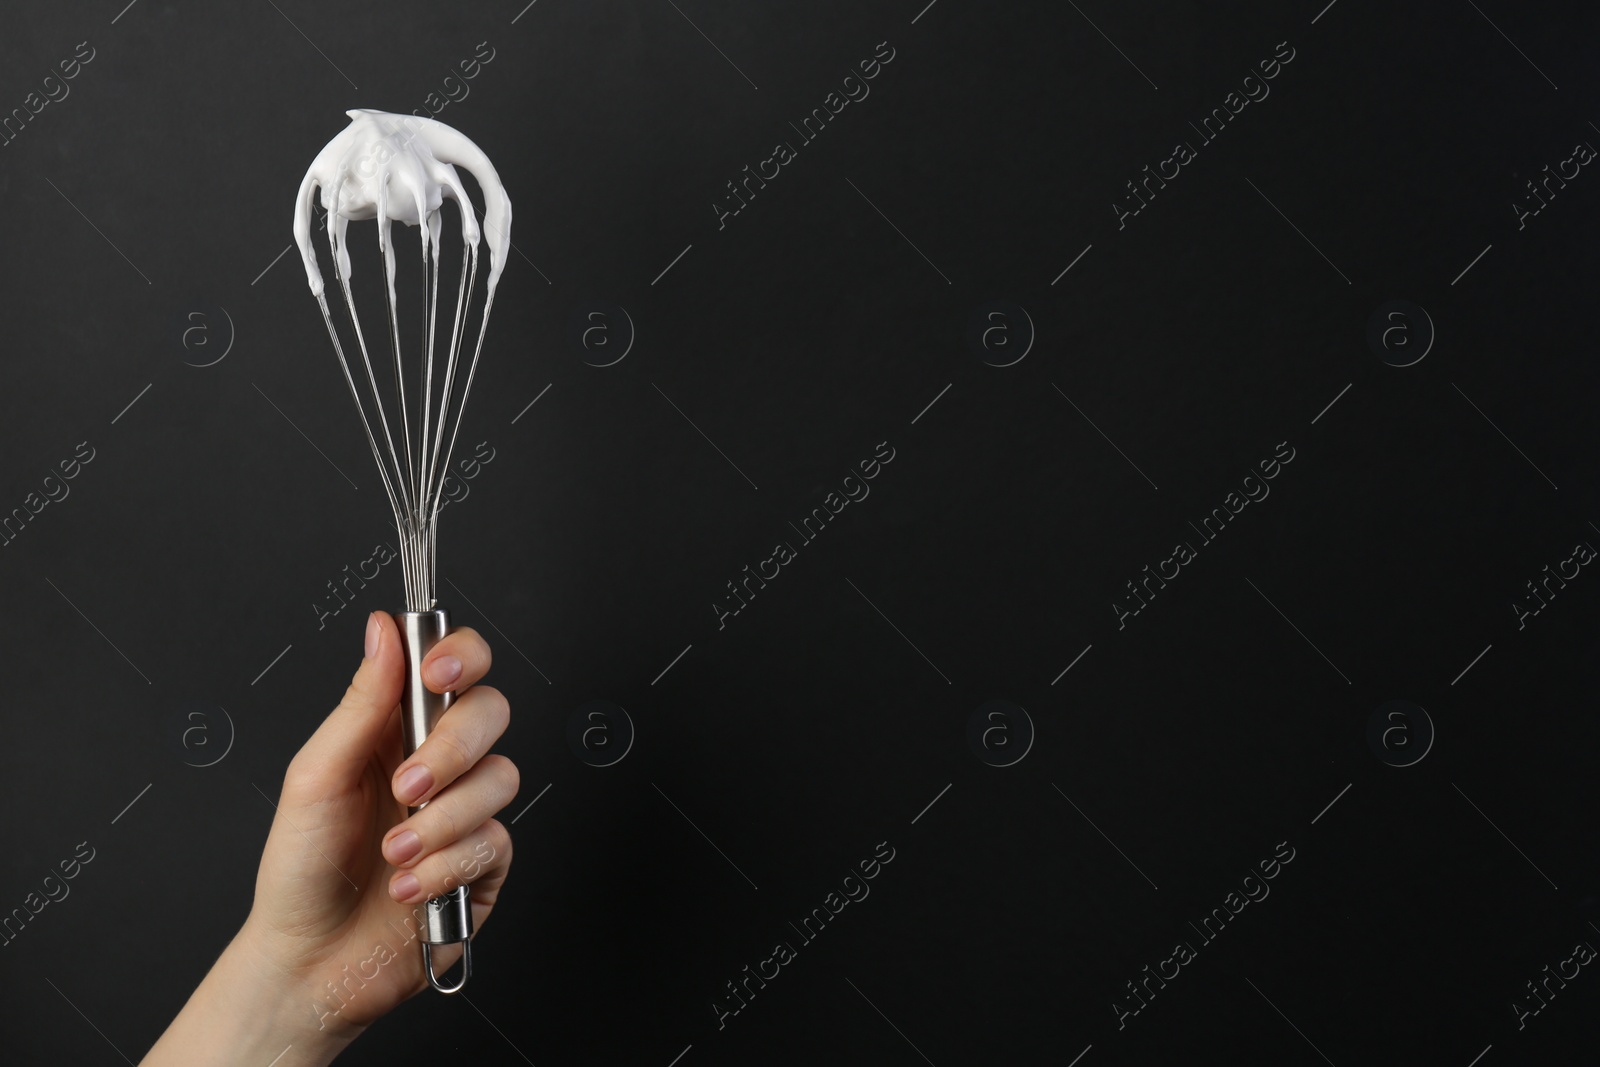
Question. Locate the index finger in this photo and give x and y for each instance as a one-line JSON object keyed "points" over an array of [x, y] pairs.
{"points": [[459, 660]]}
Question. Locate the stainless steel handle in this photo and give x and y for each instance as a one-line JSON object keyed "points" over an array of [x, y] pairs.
{"points": [[449, 917]]}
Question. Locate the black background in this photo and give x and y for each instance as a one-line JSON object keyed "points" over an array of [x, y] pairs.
{"points": [[825, 717]]}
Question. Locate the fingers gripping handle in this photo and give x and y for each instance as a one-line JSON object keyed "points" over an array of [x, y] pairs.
{"points": [[449, 917]]}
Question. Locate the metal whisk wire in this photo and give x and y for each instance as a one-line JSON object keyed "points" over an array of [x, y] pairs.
{"points": [[413, 479]]}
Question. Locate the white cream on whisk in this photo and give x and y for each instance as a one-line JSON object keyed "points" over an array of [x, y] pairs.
{"points": [[400, 168]]}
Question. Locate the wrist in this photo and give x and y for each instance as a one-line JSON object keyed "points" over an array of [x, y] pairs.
{"points": [[250, 1008], [299, 1008]]}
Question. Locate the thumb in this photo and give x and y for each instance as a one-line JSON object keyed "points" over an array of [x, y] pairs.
{"points": [[338, 751]]}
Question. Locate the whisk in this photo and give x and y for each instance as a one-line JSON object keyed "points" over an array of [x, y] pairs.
{"points": [[401, 168]]}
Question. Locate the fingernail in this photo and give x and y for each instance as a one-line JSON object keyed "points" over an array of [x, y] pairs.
{"points": [[413, 783], [444, 671], [372, 635], [404, 887], [402, 847]]}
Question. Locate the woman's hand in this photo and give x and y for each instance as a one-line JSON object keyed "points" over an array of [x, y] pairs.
{"points": [[331, 941]]}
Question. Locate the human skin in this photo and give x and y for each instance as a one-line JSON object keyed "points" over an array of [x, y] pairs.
{"points": [[336, 878]]}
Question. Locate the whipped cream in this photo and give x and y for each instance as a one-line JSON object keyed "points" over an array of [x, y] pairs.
{"points": [[400, 168]]}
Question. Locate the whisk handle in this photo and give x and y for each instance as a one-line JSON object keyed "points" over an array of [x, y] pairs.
{"points": [[449, 917]]}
